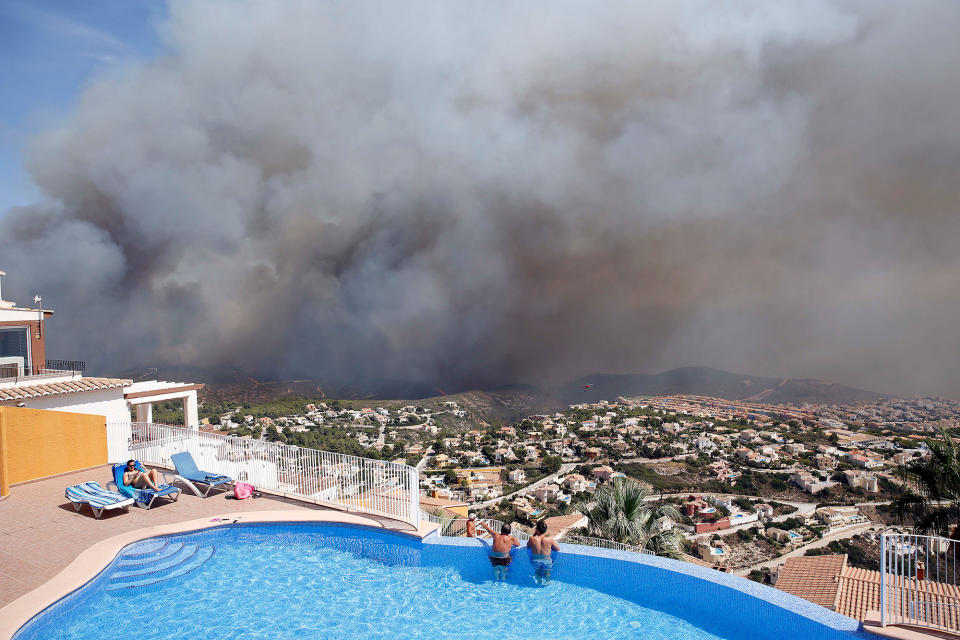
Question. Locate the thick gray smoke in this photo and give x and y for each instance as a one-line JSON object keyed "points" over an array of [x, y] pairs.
{"points": [[480, 193]]}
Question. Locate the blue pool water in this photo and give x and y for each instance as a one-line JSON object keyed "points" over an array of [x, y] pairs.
{"points": [[296, 581]]}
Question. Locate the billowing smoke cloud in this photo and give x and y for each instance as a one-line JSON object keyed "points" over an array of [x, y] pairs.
{"points": [[480, 193]]}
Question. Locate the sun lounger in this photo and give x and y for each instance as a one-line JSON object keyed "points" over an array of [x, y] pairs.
{"points": [[188, 473], [144, 497], [97, 497]]}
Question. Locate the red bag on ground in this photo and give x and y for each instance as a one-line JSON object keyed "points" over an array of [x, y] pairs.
{"points": [[242, 490]]}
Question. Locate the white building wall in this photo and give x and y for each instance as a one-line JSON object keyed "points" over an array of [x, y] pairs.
{"points": [[105, 402], [745, 518]]}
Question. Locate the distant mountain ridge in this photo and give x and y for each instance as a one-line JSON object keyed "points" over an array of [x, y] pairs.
{"points": [[705, 381], [523, 399]]}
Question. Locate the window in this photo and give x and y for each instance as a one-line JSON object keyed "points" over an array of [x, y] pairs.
{"points": [[14, 351]]}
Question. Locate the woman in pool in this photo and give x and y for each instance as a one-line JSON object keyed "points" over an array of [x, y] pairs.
{"points": [[133, 477], [542, 545]]}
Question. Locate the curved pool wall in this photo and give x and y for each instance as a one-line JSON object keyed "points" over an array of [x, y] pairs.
{"points": [[718, 603]]}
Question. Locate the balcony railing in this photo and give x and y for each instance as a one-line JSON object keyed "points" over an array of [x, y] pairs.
{"points": [[920, 582], [342, 481], [77, 366], [49, 369]]}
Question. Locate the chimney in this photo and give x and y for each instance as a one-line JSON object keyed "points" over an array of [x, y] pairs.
{"points": [[3, 303]]}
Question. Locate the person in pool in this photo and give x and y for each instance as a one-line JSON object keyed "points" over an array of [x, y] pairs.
{"points": [[472, 526], [503, 543], [133, 477], [542, 545]]}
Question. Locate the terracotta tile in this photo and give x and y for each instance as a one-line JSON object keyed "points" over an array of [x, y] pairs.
{"points": [[17, 565], [36, 521], [12, 588]]}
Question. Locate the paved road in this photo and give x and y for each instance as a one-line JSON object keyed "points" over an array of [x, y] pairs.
{"points": [[564, 469], [802, 507], [423, 460], [838, 534], [381, 439]]}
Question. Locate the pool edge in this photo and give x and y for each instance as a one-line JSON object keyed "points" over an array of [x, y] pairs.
{"points": [[94, 559], [782, 599]]}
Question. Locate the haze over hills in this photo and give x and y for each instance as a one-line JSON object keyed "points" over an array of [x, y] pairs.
{"points": [[706, 381], [513, 401]]}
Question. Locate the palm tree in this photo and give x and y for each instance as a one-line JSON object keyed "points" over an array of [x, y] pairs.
{"points": [[620, 512], [932, 489]]}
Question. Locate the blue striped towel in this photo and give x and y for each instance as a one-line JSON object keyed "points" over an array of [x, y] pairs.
{"points": [[93, 494], [140, 495]]}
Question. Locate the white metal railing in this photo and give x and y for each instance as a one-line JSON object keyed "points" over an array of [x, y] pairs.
{"points": [[359, 484], [497, 525], [604, 544], [457, 527], [919, 581], [446, 525]]}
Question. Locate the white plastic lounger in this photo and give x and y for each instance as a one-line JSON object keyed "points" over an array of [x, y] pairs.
{"points": [[196, 479], [97, 497]]}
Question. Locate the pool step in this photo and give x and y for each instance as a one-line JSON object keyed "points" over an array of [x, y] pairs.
{"points": [[137, 568], [145, 548], [161, 553]]}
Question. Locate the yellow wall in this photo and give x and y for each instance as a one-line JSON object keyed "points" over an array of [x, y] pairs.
{"points": [[460, 511], [35, 443]]}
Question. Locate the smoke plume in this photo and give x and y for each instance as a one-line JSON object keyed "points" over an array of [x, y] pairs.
{"points": [[479, 193]]}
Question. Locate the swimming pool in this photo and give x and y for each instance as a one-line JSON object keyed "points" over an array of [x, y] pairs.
{"points": [[324, 580]]}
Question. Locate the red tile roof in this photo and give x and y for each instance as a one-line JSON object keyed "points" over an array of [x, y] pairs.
{"points": [[813, 578], [828, 581], [73, 385], [860, 593], [560, 524]]}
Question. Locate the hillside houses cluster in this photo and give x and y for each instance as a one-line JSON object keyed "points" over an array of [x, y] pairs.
{"points": [[394, 423], [816, 447], [813, 456]]}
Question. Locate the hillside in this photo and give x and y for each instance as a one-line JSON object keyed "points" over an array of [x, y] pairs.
{"points": [[498, 406], [712, 382], [507, 403]]}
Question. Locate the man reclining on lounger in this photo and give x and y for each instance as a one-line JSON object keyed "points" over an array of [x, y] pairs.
{"points": [[133, 477], [503, 542]]}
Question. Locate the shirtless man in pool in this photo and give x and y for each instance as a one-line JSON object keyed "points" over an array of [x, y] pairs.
{"points": [[542, 545], [503, 542]]}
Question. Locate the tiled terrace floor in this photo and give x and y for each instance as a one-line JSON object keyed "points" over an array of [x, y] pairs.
{"points": [[40, 533]]}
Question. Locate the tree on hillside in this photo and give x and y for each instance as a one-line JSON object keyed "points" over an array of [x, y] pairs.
{"points": [[272, 434], [552, 464], [932, 495], [619, 512]]}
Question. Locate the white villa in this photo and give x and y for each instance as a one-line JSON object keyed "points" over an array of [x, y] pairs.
{"points": [[29, 379]]}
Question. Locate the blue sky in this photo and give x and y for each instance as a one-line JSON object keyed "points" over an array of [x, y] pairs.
{"points": [[50, 50]]}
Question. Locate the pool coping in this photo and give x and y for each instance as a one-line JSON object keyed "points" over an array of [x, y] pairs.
{"points": [[91, 561], [774, 596]]}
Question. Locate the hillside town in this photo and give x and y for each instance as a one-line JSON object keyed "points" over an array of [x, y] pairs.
{"points": [[754, 484]]}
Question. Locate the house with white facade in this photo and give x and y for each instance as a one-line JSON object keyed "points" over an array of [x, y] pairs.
{"points": [[28, 378], [810, 483]]}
